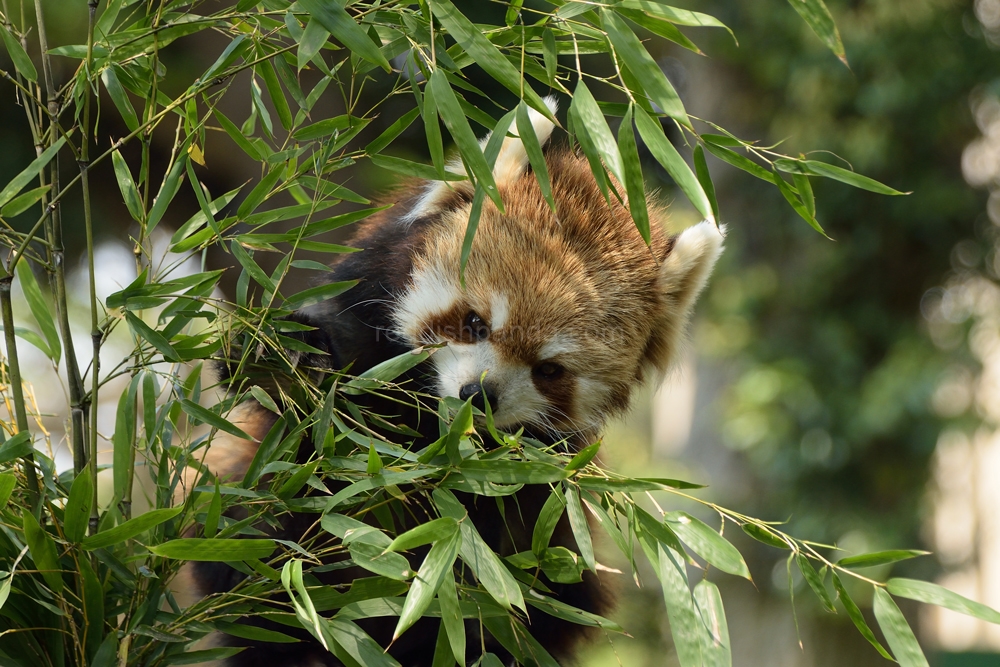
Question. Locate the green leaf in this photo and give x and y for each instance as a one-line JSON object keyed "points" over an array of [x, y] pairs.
{"points": [[7, 483], [481, 559], [816, 168], [437, 564], [390, 133], [588, 121], [120, 98], [171, 183], [580, 527], [414, 169], [532, 146], [214, 512], [925, 591], [16, 447], [468, 146], [633, 484], [146, 333], [425, 533], [634, 186], [328, 126], [451, 618], [245, 631], [43, 551], [314, 295], [857, 617], [29, 173], [123, 441], [387, 371], [130, 194], [130, 528], [880, 558], [652, 135], [686, 626], [818, 18], [335, 19], [260, 192], [707, 543], [815, 582], [39, 309], [716, 651], [237, 136], [209, 417], [485, 54], [583, 457], [274, 91], [251, 267], [897, 631], [631, 51], [512, 472], [735, 159], [546, 522], [214, 550], [674, 15], [358, 644], [705, 179], [22, 63], [375, 558], [22, 203], [312, 40], [550, 54], [764, 536], [797, 204], [77, 512]]}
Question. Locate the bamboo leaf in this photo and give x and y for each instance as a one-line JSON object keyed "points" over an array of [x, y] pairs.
{"points": [[390, 133], [857, 617], [925, 591], [214, 512], [705, 179], [897, 631], [335, 19], [665, 153], [312, 40], [526, 131], [686, 627], [816, 168], [414, 169], [77, 512], [546, 522], [123, 441], [30, 172], [209, 417], [580, 527], [43, 551], [451, 618], [171, 183], [818, 18], [634, 186], [40, 310], [437, 564], [314, 295], [130, 194], [120, 98], [468, 146], [815, 582], [214, 550], [146, 333], [589, 122], [22, 63], [130, 528], [707, 543], [22, 203], [485, 54], [16, 447], [631, 51], [880, 558], [716, 651]]}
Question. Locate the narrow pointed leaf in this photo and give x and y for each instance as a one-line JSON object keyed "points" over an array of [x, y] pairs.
{"points": [[130, 528], [880, 558], [335, 19], [130, 194], [897, 631], [580, 527], [665, 153], [818, 18], [815, 582], [214, 550], [30, 172], [716, 652], [437, 564], [22, 63], [686, 626], [707, 543], [77, 512], [925, 591], [40, 309], [857, 617], [634, 185]]}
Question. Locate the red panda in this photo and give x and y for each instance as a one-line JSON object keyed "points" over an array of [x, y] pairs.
{"points": [[562, 315]]}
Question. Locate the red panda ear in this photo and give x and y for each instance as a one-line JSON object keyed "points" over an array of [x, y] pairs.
{"points": [[683, 274], [511, 164]]}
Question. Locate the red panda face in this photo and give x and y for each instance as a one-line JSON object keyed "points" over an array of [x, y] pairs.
{"points": [[562, 314]]}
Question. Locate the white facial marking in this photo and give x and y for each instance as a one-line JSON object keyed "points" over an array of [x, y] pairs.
{"points": [[432, 292], [499, 311], [459, 364], [558, 344]]}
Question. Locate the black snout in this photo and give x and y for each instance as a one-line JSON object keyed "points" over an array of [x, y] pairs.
{"points": [[478, 391]]}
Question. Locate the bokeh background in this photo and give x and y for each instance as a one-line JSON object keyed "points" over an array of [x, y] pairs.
{"points": [[849, 387]]}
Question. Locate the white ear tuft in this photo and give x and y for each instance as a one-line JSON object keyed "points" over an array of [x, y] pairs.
{"points": [[683, 275], [510, 165], [513, 159]]}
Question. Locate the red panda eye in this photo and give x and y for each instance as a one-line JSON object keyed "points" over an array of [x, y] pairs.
{"points": [[475, 327], [548, 370]]}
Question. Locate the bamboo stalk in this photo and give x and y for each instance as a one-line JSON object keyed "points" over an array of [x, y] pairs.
{"points": [[58, 259]]}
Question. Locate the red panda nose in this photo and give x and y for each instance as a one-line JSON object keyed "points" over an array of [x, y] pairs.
{"points": [[477, 392]]}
